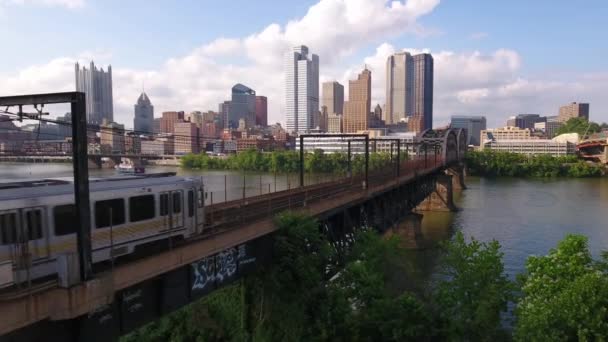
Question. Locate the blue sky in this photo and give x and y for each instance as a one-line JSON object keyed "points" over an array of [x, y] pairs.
{"points": [[553, 51]]}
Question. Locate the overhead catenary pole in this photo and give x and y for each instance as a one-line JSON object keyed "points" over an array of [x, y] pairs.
{"points": [[81, 185], [301, 160]]}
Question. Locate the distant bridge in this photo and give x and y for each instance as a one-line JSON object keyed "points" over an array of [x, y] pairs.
{"points": [[239, 238]]}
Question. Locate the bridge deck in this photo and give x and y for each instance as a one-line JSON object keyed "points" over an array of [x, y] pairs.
{"points": [[232, 223]]}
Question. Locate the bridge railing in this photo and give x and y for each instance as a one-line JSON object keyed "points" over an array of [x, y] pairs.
{"points": [[234, 213]]}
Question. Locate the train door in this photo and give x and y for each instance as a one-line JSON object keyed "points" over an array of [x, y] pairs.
{"points": [[22, 233], [171, 208], [200, 209]]}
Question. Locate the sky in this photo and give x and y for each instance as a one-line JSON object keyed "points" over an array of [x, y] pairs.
{"points": [[492, 58]]}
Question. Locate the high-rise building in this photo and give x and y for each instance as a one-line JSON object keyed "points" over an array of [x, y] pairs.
{"points": [[574, 110], [144, 115], [242, 106], [223, 110], [333, 97], [423, 89], [301, 89], [112, 137], [399, 87], [472, 124], [97, 86], [196, 117], [186, 138], [525, 120], [334, 123], [168, 121], [261, 111], [357, 108], [156, 125]]}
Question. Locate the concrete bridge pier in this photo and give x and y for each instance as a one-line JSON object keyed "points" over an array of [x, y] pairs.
{"points": [[458, 174], [442, 197]]}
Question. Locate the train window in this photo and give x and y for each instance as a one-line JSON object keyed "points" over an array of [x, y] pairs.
{"points": [[64, 217], [200, 198], [113, 207], [8, 228], [190, 203], [141, 208], [33, 219], [164, 204], [177, 202]]}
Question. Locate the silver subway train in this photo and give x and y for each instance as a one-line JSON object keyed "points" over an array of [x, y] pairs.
{"points": [[38, 219]]}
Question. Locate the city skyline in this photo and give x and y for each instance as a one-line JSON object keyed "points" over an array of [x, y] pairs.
{"points": [[479, 68]]}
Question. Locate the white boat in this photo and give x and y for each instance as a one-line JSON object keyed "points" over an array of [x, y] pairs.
{"points": [[129, 168]]}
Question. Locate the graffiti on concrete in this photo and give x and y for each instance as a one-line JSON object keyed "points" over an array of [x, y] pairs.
{"points": [[219, 268]]}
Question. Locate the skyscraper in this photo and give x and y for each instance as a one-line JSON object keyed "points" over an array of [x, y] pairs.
{"points": [[242, 106], [301, 89], [261, 111], [333, 97], [357, 108], [97, 85], [399, 87], [423, 89], [472, 124], [573, 110], [144, 115]]}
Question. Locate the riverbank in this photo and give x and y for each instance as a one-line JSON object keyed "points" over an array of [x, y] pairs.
{"points": [[504, 164]]}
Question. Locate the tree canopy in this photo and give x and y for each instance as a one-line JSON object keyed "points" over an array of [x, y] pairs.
{"points": [[579, 125]]}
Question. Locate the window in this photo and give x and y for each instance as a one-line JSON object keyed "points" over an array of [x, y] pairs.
{"points": [[33, 221], [177, 202], [141, 208], [200, 198], [164, 204], [64, 217], [8, 228], [190, 203], [114, 208]]}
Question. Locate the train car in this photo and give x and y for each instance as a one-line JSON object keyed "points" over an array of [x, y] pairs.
{"points": [[38, 219]]}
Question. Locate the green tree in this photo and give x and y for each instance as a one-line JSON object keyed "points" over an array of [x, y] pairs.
{"points": [[564, 295], [580, 126], [474, 290]]}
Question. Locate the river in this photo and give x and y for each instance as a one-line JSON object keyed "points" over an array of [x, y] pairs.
{"points": [[527, 217]]}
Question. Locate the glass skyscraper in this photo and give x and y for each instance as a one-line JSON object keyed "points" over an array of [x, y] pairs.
{"points": [[301, 89], [97, 86], [144, 115]]}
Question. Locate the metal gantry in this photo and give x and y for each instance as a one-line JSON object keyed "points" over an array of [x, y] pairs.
{"points": [[80, 164]]}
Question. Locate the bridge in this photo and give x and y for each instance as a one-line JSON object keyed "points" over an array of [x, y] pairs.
{"points": [[594, 148], [238, 239], [94, 159]]}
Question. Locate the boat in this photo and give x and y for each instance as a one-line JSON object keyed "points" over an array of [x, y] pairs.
{"points": [[128, 168]]}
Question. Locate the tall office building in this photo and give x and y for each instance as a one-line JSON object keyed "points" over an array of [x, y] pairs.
{"points": [[301, 89], [525, 120], [144, 115], [242, 106], [261, 111], [223, 110], [399, 87], [97, 85], [168, 121], [333, 97], [472, 124], [357, 108], [423, 89], [573, 110]]}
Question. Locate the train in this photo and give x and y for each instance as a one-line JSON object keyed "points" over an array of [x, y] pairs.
{"points": [[38, 220]]}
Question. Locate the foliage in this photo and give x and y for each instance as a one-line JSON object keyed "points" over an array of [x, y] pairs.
{"points": [[580, 126], [286, 161], [474, 290], [495, 163], [564, 295]]}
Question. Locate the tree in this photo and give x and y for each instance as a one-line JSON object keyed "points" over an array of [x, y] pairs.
{"points": [[579, 125], [564, 295], [474, 290]]}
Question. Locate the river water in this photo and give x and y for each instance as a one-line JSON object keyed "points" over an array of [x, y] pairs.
{"points": [[527, 217]]}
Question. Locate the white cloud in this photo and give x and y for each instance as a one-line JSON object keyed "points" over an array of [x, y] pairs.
{"points": [[71, 4], [491, 84]]}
